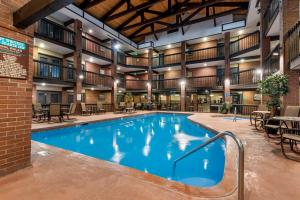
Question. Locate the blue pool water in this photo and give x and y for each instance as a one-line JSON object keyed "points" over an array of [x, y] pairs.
{"points": [[149, 143]]}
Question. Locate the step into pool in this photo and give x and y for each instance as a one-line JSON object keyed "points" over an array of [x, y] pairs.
{"points": [[149, 143]]}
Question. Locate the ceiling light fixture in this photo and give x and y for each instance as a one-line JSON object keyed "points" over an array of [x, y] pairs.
{"points": [[117, 46], [90, 31]]}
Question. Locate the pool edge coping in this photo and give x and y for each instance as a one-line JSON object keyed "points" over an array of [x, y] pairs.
{"points": [[219, 190]]}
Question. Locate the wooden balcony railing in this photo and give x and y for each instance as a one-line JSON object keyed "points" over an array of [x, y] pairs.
{"points": [[167, 60], [271, 64], [96, 48], [271, 13], [100, 80], [136, 84], [204, 82], [50, 71], [132, 61], [55, 32], [247, 43], [247, 77], [293, 40], [166, 84], [207, 54]]}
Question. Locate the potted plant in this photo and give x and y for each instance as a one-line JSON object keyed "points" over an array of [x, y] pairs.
{"points": [[275, 87]]}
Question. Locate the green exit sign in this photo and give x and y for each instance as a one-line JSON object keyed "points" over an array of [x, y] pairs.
{"points": [[12, 43]]}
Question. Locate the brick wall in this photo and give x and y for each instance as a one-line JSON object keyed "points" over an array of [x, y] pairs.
{"points": [[15, 99]]}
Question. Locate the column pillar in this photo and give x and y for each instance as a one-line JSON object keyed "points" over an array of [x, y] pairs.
{"points": [[183, 77], [289, 16], [77, 64], [114, 91], [150, 75], [265, 43], [227, 97]]}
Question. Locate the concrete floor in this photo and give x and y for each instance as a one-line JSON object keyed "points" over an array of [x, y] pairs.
{"points": [[59, 174]]}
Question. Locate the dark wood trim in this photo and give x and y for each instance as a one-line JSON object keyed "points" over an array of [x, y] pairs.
{"points": [[33, 11]]}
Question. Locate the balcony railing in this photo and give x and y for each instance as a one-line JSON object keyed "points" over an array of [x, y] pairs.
{"points": [[247, 77], [243, 109], [167, 60], [50, 71], [247, 43], [205, 82], [100, 80], [207, 54], [271, 64], [132, 61], [132, 84], [271, 13], [56, 32], [93, 107], [293, 40], [96, 48], [166, 84]]}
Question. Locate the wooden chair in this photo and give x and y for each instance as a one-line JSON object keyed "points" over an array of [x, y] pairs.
{"points": [[84, 110]]}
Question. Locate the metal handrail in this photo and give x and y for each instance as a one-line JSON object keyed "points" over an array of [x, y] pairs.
{"points": [[241, 158]]}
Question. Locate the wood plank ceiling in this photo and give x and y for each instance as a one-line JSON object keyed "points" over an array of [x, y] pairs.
{"points": [[139, 18]]}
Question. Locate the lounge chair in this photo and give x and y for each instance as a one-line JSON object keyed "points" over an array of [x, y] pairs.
{"points": [[71, 111], [84, 110], [55, 111], [100, 107], [272, 126]]}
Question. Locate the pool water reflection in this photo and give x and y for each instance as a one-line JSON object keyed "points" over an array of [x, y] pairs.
{"points": [[149, 143]]}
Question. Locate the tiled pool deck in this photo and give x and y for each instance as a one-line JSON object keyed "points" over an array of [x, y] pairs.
{"points": [[59, 174]]}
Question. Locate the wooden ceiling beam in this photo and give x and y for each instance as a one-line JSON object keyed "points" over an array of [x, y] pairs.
{"points": [[133, 17], [33, 11], [133, 9], [175, 26], [89, 3], [173, 9], [177, 9], [112, 10], [69, 22], [240, 4]]}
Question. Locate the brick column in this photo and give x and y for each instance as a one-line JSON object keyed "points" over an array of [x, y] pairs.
{"points": [[289, 16], [150, 75], [77, 64], [115, 80], [183, 77], [264, 40], [227, 97], [15, 99]]}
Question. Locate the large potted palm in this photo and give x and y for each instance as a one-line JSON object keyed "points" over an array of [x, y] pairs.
{"points": [[274, 87]]}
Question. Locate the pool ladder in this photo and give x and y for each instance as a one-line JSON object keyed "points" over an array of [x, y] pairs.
{"points": [[240, 158]]}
